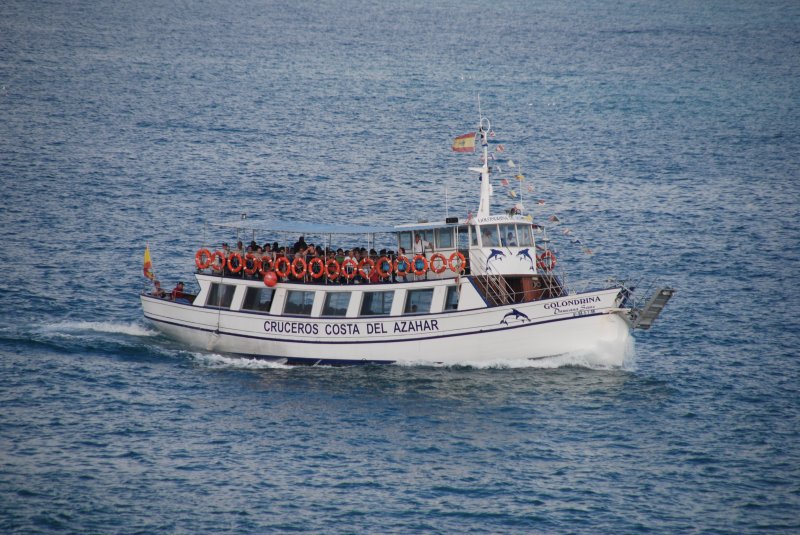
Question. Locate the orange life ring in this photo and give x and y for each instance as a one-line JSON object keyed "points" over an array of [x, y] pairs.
{"points": [[461, 262], [442, 259], [254, 261], [332, 274], [218, 266], [366, 262], [546, 261], [406, 263], [299, 267], [266, 264], [316, 261], [349, 274], [418, 271], [384, 261], [239, 263], [202, 258], [282, 266]]}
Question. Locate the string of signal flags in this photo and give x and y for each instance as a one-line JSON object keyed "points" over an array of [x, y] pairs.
{"points": [[466, 143]]}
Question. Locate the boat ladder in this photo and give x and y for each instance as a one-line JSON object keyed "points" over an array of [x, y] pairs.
{"points": [[643, 318]]}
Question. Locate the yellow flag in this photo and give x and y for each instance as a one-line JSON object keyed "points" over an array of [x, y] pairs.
{"points": [[148, 264]]}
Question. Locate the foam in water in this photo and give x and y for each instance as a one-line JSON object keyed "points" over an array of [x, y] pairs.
{"points": [[215, 360], [77, 327]]}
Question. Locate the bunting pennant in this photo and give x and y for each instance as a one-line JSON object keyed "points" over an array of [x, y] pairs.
{"points": [[465, 143], [147, 269], [499, 148], [504, 182], [530, 188], [519, 177]]}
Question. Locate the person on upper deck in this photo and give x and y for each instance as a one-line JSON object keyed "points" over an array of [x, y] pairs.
{"points": [[420, 245], [300, 244], [510, 241]]}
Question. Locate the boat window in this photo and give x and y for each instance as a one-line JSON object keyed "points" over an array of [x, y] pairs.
{"points": [[404, 240], [509, 235], [489, 236], [475, 232], [418, 301], [298, 302], [336, 304], [259, 299], [451, 302], [220, 295], [525, 237], [444, 238], [377, 303], [427, 235], [461, 238]]}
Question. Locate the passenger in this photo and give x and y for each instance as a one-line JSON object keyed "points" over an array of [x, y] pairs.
{"points": [[420, 245], [178, 295], [510, 241], [300, 244], [158, 291], [402, 252]]}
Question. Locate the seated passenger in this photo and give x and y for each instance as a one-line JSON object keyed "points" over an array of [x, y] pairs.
{"points": [[158, 291], [178, 295]]}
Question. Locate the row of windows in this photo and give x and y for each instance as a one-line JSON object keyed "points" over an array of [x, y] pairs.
{"points": [[504, 235], [300, 302], [508, 235]]}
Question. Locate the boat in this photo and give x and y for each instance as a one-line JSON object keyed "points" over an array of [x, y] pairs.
{"points": [[473, 290]]}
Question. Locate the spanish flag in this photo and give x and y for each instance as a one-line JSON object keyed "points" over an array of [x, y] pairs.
{"points": [[148, 264], [465, 143]]}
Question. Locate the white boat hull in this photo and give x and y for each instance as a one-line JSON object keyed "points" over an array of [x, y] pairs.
{"points": [[567, 325]]}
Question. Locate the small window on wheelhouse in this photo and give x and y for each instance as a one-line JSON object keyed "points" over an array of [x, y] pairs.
{"points": [[474, 233], [427, 235], [451, 301], [404, 240], [525, 237], [377, 303], [508, 235], [258, 299], [444, 238], [489, 236], [220, 295], [336, 304], [418, 301], [298, 302]]}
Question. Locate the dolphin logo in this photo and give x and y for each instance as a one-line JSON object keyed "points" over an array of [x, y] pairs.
{"points": [[525, 253], [515, 314], [495, 254]]}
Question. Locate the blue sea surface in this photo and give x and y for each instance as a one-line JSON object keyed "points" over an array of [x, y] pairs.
{"points": [[664, 135]]}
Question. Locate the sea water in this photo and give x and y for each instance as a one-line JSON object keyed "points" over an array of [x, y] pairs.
{"points": [[663, 135]]}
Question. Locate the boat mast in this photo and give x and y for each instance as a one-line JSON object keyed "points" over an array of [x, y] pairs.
{"points": [[486, 187]]}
